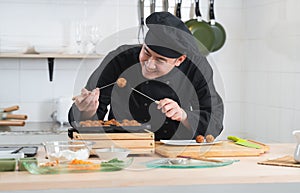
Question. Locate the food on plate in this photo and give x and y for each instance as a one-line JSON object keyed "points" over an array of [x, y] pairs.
{"points": [[121, 82], [83, 165], [112, 122], [50, 164], [209, 138], [79, 161], [200, 139], [75, 164]]}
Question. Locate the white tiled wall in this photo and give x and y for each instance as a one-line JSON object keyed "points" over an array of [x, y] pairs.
{"points": [[271, 69], [256, 71]]}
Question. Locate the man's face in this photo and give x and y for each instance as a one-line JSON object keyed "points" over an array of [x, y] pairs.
{"points": [[155, 65]]}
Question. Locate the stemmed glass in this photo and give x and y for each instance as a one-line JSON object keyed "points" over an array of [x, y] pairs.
{"points": [[78, 36], [94, 35]]}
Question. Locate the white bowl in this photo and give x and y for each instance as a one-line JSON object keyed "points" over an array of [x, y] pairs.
{"points": [[112, 153]]}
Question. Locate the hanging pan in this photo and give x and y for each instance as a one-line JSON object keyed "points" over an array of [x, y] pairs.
{"points": [[220, 35], [152, 6], [178, 8], [165, 5], [141, 33], [202, 31]]}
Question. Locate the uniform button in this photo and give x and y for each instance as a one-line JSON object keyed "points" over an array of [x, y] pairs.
{"points": [[165, 131], [147, 82], [167, 82], [145, 120], [145, 104], [166, 122]]}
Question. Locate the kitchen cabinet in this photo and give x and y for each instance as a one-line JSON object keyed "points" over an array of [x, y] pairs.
{"points": [[50, 58]]}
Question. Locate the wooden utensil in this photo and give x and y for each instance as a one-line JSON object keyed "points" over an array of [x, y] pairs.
{"points": [[4, 116], [201, 158], [9, 109], [11, 123]]}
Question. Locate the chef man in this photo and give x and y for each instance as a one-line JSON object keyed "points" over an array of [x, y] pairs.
{"points": [[181, 101]]}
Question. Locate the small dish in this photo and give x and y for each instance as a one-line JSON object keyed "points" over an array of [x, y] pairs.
{"points": [[7, 165], [180, 163], [10, 164], [112, 153], [27, 160]]}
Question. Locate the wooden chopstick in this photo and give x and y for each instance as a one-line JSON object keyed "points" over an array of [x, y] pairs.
{"points": [[201, 158]]}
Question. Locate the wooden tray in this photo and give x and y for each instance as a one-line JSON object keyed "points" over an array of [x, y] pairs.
{"points": [[224, 149], [139, 143]]}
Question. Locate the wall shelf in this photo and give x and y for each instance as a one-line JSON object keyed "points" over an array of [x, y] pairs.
{"points": [[50, 57]]}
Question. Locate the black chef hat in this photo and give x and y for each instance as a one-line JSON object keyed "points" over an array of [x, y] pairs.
{"points": [[167, 35]]}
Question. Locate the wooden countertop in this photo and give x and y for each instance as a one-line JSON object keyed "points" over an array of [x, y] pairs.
{"points": [[246, 171]]}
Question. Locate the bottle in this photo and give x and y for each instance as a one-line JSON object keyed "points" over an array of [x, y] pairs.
{"points": [[296, 133]]}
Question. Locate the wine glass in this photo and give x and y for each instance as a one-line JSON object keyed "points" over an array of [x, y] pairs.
{"points": [[78, 36], [94, 35]]}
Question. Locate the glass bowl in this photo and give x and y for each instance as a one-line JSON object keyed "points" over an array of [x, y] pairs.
{"points": [[112, 153], [62, 151]]}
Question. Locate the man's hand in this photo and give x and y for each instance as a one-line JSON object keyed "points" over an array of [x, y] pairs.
{"points": [[172, 110], [88, 102]]}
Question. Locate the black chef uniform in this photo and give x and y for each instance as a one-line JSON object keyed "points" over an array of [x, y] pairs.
{"points": [[190, 86]]}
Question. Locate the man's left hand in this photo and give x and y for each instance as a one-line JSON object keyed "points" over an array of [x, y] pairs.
{"points": [[172, 110]]}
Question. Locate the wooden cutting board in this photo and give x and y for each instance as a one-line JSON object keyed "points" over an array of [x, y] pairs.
{"points": [[287, 161], [224, 149]]}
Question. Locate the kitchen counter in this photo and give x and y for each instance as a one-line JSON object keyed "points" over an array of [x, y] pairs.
{"points": [[33, 133], [243, 176]]}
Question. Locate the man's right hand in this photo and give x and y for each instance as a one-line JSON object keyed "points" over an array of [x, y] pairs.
{"points": [[88, 102]]}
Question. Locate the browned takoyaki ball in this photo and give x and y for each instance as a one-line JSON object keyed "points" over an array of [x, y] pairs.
{"points": [[199, 139], [121, 82], [209, 138]]}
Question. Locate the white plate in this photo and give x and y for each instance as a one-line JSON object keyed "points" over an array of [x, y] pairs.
{"points": [[187, 142]]}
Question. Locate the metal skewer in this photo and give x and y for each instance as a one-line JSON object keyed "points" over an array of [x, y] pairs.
{"points": [[99, 89], [157, 102], [102, 87]]}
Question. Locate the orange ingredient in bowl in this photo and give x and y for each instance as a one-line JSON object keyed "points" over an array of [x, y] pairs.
{"points": [[83, 165]]}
